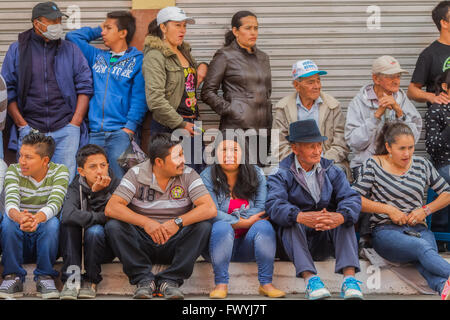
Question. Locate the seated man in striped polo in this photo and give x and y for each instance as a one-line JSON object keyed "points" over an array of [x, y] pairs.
{"points": [[159, 212], [35, 190]]}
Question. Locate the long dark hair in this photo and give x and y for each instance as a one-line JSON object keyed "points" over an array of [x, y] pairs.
{"points": [[389, 133], [236, 23], [444, 77], [247, 181]]}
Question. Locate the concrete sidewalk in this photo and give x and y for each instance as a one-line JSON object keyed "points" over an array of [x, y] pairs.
{"points": [[237, 297], [244, 282]]}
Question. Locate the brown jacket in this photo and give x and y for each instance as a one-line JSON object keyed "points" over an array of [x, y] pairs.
{"points": [[247, 85], [331, 125]]}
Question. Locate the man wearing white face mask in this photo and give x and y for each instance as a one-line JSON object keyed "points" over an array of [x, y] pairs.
{"points": [[49, 85]]}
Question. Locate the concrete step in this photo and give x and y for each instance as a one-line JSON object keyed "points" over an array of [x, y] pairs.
{"points": [[244, 280]]}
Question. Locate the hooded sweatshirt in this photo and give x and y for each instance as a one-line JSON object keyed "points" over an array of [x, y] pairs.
{"points": [[83, 207], [362, 128], [119, 88]]}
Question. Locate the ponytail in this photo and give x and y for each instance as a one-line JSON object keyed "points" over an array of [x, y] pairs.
{"points": [[154, 29], [389, 133], [236, 23], [229, 38]]}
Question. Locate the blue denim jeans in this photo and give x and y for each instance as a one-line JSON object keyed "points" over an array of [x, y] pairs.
{"points": [[440, 219], [258, 244], [40, 247], [67, 140], [391, 243], [114, 143]]}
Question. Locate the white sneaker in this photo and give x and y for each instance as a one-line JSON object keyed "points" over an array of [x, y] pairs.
{"points": [[351, 290], [315, 290]]}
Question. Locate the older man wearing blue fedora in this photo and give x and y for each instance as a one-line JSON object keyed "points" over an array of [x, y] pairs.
{"points": [[314, 210]]}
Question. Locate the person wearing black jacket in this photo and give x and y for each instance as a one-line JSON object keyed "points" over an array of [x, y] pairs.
{"points": [[83, 209], [437, 143], [243, 73]]}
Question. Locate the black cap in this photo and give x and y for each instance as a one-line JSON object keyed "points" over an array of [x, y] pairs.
{"points": [[48, 10]]}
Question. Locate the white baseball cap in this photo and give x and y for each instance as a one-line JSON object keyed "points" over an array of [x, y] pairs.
{"points": [[172, 14], [305, 68], [387, 65]]}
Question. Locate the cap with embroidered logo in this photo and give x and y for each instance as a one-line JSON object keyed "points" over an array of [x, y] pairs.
{"points": [[172, 14], [305, 68], [387, 65], [47, 10]]}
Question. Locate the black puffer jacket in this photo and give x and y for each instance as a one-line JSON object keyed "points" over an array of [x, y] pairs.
{"points": [[83, 207], [247, 85]]}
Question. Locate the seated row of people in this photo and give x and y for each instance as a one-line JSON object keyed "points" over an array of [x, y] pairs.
{"points": [[163, 212]]}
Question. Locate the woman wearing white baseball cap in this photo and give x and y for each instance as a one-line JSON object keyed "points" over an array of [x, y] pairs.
{"points": [[172, 76]]}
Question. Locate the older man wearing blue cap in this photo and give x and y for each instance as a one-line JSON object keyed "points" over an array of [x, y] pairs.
{"points": [[309, 102], [312, 205]]}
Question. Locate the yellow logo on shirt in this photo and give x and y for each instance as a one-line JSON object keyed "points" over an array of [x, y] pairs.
{"points": [[177, 192]]}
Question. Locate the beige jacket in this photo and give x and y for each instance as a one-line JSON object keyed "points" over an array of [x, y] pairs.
{"points": [[331, 125]]}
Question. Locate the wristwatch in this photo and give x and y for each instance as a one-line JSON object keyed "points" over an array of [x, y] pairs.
{"points": [[179, 222]]}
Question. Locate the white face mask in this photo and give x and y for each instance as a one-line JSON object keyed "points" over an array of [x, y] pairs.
{"points": [[54, 31]]}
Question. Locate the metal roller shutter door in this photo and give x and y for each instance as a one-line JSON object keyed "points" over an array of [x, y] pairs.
{"points": [[332, 33], [15, 16]]}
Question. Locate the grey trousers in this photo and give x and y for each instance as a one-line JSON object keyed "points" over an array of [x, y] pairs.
{"points": [[303, 245]]}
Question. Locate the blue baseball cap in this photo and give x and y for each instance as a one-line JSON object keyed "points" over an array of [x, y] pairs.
{"points": [[305, 68]]}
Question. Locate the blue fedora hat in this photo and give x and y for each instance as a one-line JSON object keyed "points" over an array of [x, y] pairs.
{"points": [[305, 131]]}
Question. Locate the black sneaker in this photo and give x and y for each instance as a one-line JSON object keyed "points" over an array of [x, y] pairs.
{"points": [[364, 243], [45, 288], [170, 290], [145, 289], [442, 246], [12, 287]]}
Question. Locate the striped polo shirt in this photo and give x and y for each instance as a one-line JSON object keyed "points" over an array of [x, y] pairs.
{"points": [[23, 192], [144, 196], [405, 192]]}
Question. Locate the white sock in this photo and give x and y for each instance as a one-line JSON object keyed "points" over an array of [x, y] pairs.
{"points": [[346, 277], [307, 279]]}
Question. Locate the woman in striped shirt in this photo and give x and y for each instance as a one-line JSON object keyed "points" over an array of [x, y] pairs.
{"points": [[392, 185]]}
